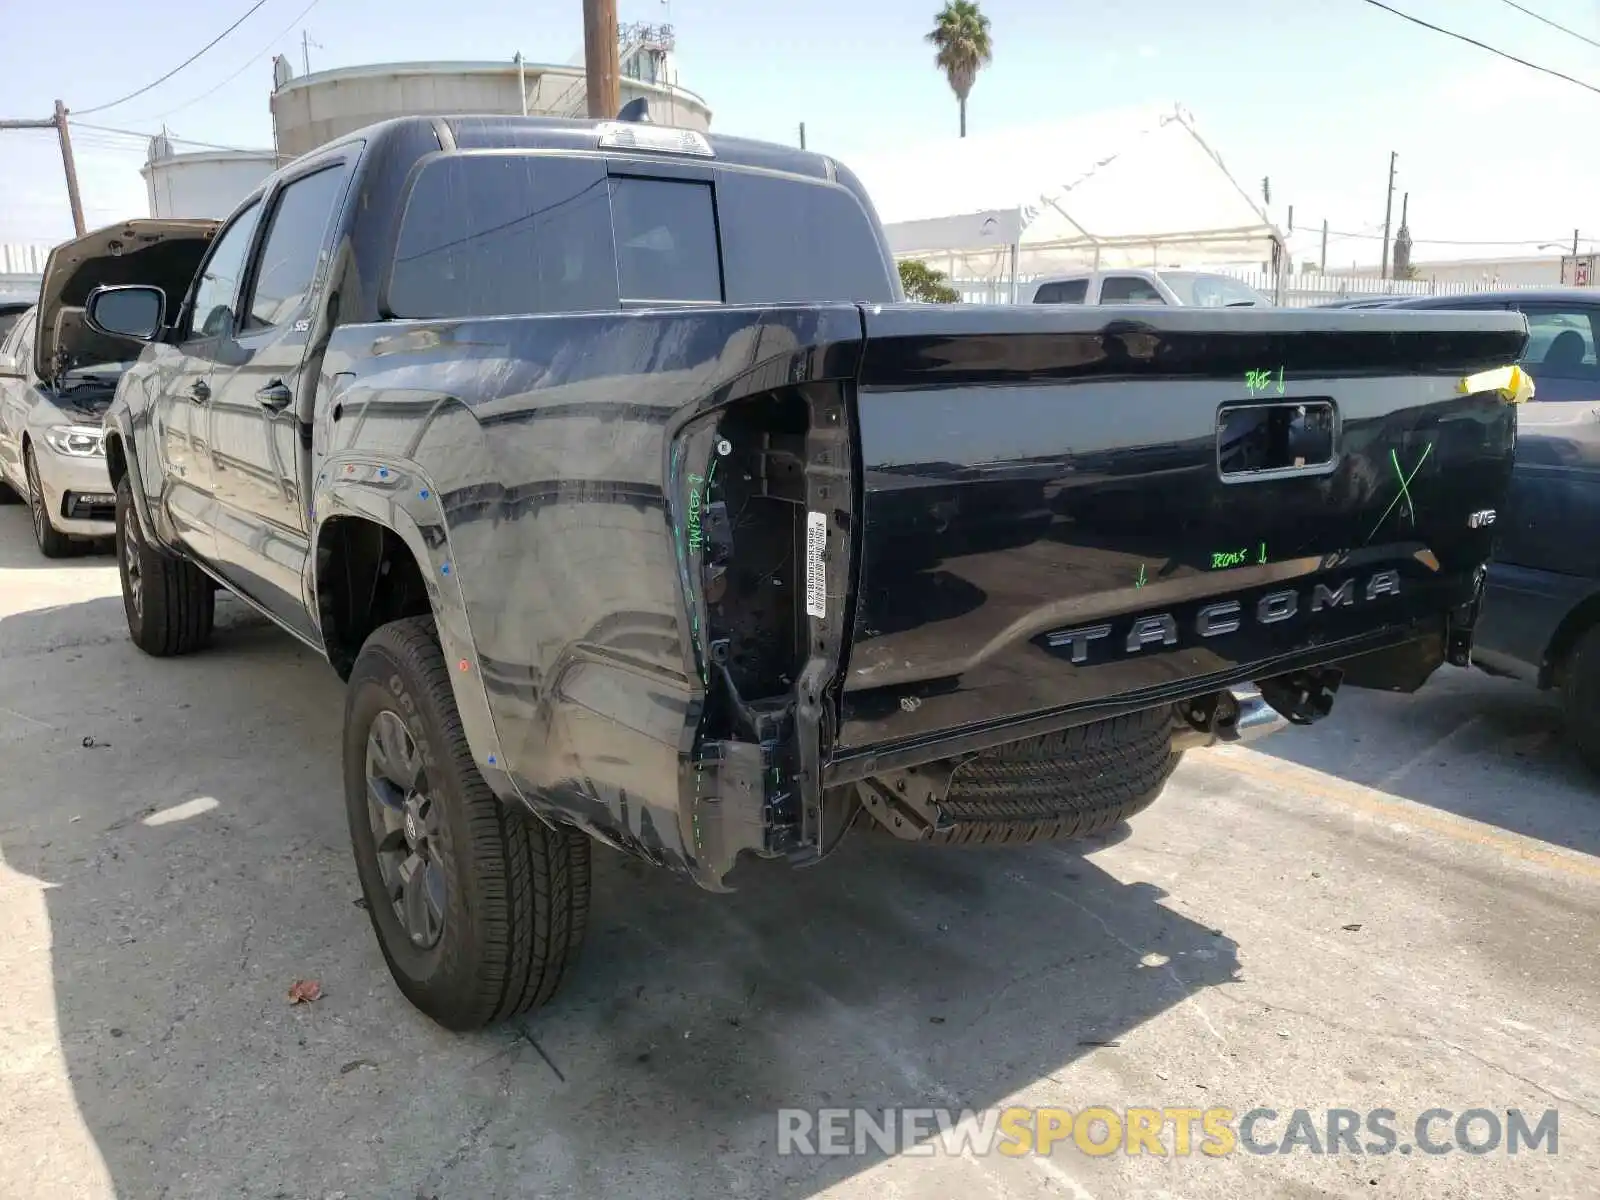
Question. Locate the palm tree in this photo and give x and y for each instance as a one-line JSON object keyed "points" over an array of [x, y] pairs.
{"points": [[961, 32]]}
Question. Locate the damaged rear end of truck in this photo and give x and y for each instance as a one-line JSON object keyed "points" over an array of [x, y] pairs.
{"points": [[732, 551], [605, 463], [967, 574]]}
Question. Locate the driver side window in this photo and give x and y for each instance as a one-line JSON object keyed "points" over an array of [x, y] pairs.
{"points": [[212, 314]]}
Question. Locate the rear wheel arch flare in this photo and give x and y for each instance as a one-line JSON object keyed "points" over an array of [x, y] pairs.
{"points": [[366, 576]]}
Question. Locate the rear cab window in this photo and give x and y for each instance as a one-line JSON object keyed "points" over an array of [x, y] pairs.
{"points": [[1065, 291], [1128, 289], [497, 233]]}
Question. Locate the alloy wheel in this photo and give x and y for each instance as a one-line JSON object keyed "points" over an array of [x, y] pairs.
{"points": [[131, 568], [405, 829], [36, 499]]}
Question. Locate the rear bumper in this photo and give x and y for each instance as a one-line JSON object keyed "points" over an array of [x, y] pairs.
{"points": [[1425, 640], [77, 492]]}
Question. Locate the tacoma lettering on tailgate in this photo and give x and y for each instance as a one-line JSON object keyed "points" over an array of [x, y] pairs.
{"points": [[1228, 616]]}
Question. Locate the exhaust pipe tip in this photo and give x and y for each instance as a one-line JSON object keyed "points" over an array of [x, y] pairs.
{"points": [[1255, 718], [1240, 716]]}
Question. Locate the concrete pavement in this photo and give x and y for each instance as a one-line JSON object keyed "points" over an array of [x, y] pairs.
{"points": [[1396, 909]]}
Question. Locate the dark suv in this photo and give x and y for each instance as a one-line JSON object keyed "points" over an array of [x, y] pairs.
{"points": [[1541, 617]]}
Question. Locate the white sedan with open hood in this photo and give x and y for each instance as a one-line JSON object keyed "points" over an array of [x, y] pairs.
{"points": [[58, 376]]}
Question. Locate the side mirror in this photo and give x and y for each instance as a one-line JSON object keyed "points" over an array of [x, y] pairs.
{"points": [[10, 368], [130, 311]]}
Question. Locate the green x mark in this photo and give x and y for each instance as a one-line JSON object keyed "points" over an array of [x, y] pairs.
{"points": [[1405, 488]]}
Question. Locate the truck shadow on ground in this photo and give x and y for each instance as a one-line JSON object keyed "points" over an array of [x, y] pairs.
{"points": [[1489, 749], [193, 863]]}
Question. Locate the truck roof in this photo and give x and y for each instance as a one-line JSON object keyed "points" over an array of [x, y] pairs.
{"points": [[478, 132], [1531, 295]]}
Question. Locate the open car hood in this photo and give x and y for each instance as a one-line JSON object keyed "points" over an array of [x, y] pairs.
{"points": [[161, 253]]}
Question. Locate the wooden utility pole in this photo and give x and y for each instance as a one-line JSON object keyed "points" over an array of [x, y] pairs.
{"points": [[802, 135], [70, 167], [59, 124], [1388, 212], [600, 58], [1324, 267]]}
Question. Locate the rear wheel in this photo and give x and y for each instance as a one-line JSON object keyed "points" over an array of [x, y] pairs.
{"points": [[8, 494], [169, 602], [479, 909], [1580, 697], [1070, 784], [52, 543]]}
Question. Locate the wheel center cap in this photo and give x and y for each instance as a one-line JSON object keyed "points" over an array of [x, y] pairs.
{"points": [[412, 829]]}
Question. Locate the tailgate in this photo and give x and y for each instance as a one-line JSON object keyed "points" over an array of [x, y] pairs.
{"points": [[1066, 508]]}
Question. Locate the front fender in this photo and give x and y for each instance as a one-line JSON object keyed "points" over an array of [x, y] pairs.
{"points": [[117, 426], [400, 497]]}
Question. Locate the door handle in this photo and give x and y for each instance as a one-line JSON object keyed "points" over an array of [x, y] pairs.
{"points": [[275, 396], [200, 392]]}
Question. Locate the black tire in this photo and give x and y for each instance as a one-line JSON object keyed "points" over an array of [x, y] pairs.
{"points": [[1071, 784], [8, 494], [169, 602], [1580, 698], [515, 892], [52, 542]]}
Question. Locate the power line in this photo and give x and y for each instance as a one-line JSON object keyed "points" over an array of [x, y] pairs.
{"points": [[254, 58], [1461, 37], [171, 137], [1457, 241], [179, 67], [1538, 17]]}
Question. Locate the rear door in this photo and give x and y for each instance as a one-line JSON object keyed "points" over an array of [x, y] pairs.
{"points": [[260, 529]]}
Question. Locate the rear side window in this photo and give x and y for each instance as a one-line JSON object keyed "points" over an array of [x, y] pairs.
{"points": [[1069, 291], [1561, 344], [1128, 289], [288, 263], [788, 241], [496, 234], [666, 231], [19, 339]]}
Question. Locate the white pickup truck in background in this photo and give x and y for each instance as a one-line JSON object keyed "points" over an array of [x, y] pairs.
{"points": [[1135, 285]]}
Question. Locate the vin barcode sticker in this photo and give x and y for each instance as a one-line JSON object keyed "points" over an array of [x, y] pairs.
{"points": [[816, 571]]}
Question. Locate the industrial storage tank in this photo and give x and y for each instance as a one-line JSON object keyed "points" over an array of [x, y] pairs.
{"points": [[313, 109], [208, 183]]}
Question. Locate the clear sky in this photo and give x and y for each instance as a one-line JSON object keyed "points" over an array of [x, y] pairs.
{"points": [[1313, 93]]}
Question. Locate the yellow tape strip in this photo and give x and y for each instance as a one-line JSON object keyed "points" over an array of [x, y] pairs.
{"points": [[1513, 383]]}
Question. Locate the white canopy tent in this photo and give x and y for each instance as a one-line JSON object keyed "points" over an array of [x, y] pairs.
{"points": [[1136, 187]]}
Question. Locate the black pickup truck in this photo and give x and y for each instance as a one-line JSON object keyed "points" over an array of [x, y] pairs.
{"points": [[607, 465]]}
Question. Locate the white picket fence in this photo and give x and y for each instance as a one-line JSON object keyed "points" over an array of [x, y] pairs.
{"points": [[1304, 291], [1300, 291]]}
